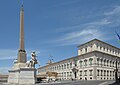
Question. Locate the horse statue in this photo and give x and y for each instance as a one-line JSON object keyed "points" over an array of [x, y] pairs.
{"points": [[31, 63]]}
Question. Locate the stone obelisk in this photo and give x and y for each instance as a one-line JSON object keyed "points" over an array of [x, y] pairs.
{"points": [[20, 73], [21, 53]]}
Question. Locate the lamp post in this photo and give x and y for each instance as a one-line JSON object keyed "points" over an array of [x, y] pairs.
{"points": [[116, 71]]}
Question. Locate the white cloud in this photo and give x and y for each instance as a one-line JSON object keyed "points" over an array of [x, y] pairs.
{"points": [[113, 16], [78, 37], [97, 28], [116, 10], [100, 22]]}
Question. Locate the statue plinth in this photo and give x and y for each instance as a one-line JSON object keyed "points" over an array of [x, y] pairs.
{"points": [[22, 75]]}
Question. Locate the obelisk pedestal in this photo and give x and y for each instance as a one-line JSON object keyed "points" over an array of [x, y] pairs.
{"points": [[20, 73], [22, 76]]}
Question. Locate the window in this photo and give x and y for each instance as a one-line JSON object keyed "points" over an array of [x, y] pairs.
{"points": [[70, 65], [113, 64], [101, 72], [60, 67], [85, 61], [97, 45], [67, 66], [104, 49], [64, 66], [110, 63], [98, 61], [80, 73], [97, 72], [64, 74], [85, 72], [104, 62], [67, 74], [90, 72], [91, 47], [104, 72], [70, 74], [80, 63], [107, 73], [107, 62], [90, 60], [86, 49]]}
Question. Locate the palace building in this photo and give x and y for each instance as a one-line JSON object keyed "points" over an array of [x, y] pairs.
{"points": [[96, 60]]}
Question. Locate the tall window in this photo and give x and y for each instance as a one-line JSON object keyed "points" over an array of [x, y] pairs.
{"points": [[113, 64], [104, 72], [67, 74], [91, 47], [97, 72], [80, 63], [80, 73], [85, 72], [60, 67], [104, 62], [98, 61], [90, 72], [64, 66], [67, 66], [107, 73], [101, 72], [107, 62], [86, 49], [85, 61], [64, 74], [90, 60], [110, 63]]}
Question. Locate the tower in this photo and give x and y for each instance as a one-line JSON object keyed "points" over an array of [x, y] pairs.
{"points": [[21, 53]]}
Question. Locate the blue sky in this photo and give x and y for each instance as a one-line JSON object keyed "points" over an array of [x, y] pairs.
{"points": [[56, 27]]}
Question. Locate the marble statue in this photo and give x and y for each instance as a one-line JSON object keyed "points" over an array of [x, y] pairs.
{"points": [[31, 63]]}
